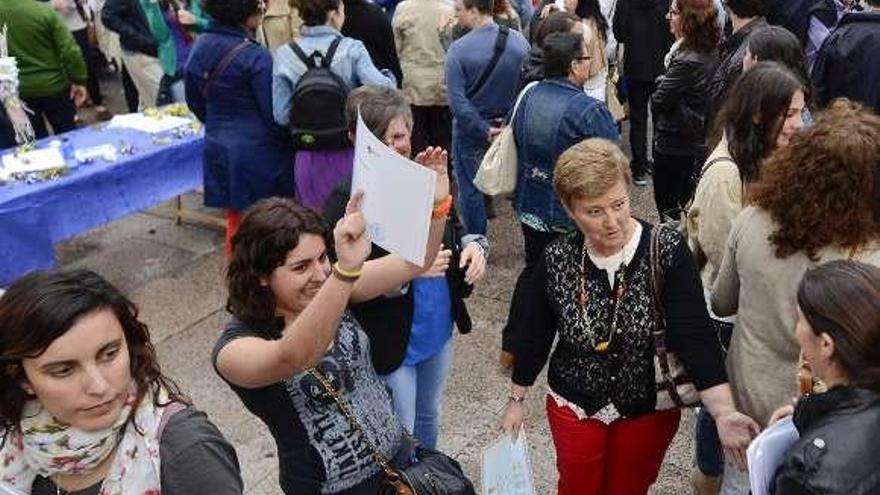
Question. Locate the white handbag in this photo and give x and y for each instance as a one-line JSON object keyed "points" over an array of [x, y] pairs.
{"points": [[499, 168]]}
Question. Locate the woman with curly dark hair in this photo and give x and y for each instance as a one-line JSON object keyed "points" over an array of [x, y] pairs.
{"points": [[85, 407], [816, 202], [229, 88], [680, 101]]}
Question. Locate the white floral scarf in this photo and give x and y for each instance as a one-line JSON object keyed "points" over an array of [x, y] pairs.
{"points": [[46, 447]]}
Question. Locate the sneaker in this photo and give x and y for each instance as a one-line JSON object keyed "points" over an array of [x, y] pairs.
{"points": [[640, 179]]}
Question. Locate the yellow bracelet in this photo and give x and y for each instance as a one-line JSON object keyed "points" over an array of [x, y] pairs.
{"points": [[345, 273]]}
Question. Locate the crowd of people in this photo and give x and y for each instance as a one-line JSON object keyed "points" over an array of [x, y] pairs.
{"points": [[765, 157]]}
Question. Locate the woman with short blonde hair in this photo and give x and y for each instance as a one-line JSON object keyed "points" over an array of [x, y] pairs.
{"points": [[593, 287]]}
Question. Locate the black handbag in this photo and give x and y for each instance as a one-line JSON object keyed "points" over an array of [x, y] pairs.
{"points": [[433, 473]]}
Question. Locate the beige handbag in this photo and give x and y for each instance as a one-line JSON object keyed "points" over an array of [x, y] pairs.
{"points": [[499, 168]]}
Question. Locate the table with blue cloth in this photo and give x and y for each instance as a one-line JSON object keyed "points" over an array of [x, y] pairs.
{"points": [[35, 216]]}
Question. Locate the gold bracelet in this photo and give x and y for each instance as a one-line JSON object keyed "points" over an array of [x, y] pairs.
{"points": [[346, 275]]}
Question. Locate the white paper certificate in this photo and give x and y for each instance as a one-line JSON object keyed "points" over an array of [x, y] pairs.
{"points": [[398, 196]]}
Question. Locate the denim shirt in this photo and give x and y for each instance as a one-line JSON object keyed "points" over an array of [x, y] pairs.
{"points": [[552, 116], [351, 62]]}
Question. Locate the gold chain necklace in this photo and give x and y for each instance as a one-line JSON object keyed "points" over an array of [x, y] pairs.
{"points": [[601, 346]]}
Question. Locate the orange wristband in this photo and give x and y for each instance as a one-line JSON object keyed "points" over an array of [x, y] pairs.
{"points": [[441, 209]]}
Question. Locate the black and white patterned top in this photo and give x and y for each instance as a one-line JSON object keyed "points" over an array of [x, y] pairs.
{"points": [[624, 374], [318, 450]]}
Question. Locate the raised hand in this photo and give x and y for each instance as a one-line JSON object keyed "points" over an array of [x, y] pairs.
{"points": [[437, 160], [350, 235]]}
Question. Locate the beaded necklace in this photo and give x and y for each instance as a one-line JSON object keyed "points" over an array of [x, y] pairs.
{"points": [[602, 345]]}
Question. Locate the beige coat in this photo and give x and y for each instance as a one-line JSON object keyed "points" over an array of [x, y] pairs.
{"points": [[717, 201], [416, 26], [762, 290], [281, 25]]}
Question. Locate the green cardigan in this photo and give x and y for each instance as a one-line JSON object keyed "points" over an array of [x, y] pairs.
{"points": [[48, 57], [162, 33]]}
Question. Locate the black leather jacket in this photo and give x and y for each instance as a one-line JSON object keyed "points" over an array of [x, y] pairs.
{"points": [[837, 450], [679, 103]]}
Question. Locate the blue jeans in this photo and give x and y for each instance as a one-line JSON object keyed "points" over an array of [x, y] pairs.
{"points": [[467, 153], [417, 391], [710, 456]]}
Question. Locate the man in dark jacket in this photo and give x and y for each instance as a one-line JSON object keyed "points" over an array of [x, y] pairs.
{"points": [[745, 17], [642, 27], [367, 22], [849, 61], [140, 51]]}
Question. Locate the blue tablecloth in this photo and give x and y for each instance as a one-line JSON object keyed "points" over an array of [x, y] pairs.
{"points": [[35, 216]]}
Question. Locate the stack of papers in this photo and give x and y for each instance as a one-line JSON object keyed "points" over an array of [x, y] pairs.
{"points": [[151, 125], [32, 161], [767, 452]]}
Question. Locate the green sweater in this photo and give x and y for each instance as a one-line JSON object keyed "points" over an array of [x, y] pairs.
{"points": [[48, 57]]}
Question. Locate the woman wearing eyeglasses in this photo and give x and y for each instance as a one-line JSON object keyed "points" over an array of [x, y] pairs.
{"points": [[679, 103]]}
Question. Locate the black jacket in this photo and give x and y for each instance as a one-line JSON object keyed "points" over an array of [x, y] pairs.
{"points": [[849, 61], [837, 450], [679, 103], [729, 66], [126, 18], [641, 25], [533, 69], [387, 319], [367, 22]]}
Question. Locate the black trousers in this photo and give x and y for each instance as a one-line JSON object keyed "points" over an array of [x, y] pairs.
{"points": [[639, 98], [132, 99], [673, 181], [91, 59], [535, 242], [58, 109]]}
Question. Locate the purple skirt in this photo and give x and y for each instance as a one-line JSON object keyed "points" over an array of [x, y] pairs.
{"points": [[317, 173]]}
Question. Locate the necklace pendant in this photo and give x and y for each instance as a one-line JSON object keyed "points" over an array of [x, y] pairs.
{"points": [[602, 347]]}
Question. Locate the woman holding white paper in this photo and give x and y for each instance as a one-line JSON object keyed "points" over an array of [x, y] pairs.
{"points": [[292, 338], [838, 330]]}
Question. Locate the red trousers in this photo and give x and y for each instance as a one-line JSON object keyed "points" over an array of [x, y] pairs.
{"points": [[233, 218], [622, 458]]}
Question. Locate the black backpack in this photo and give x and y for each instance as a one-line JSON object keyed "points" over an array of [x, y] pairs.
{"points": [[317, 110]]}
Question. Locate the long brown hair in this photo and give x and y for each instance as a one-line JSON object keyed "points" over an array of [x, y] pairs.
{"points": [[41, 307], [821, 190], [842, 299]]}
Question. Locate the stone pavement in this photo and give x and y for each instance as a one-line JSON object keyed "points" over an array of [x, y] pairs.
{"points": [[175, 275]]}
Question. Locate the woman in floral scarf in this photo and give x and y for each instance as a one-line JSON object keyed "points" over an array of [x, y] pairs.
{"points": [[85, 408]]}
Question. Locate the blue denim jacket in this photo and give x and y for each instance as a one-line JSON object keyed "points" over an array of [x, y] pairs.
{"points": [[552, 116], [351, 62]]}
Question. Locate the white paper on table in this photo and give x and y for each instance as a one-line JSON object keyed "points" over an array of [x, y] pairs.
{"points": [[398, 196], [152, 125], [506, 467], [766, 453], [32, 161], [104, 152]]}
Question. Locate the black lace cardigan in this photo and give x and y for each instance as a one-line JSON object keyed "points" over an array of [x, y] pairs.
{"points": [[624, 374]]}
